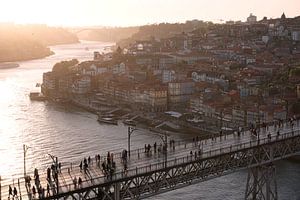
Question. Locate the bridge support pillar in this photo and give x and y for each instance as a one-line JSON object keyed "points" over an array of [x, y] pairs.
{"points": [[261, 183], [117, 188]]}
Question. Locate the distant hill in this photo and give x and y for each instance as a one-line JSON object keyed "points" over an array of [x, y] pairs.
{"points": [[124, 36], [107, 34], [163, 30], [24, 42]]}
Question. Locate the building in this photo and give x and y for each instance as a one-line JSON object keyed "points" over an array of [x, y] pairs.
{"points": [[179, 93], [296, 35], [191, 58], [168, 76], [239, 116], [82, 85], [298, 91], [97, 56], [48, 87], [156, 61], [158, 99], [251, 19]]}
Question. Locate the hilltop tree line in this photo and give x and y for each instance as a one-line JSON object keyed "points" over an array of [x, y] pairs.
{"points": [[23, 42]]}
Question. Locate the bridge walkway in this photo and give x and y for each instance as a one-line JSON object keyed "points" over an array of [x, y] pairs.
{"points": [[138, 159]]}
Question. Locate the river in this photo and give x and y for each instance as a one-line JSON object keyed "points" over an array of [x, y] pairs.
{"points": [[71, 133]]}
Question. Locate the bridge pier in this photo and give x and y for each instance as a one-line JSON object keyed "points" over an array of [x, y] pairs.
{"points": [[261, 183]]}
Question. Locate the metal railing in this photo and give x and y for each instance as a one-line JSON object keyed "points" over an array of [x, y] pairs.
{"points": [[171, 163], [176, 162]]}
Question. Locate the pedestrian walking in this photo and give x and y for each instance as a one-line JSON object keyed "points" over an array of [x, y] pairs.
{"points": [[48, 190], [59, 167], [79, 182], [10, 191], [75, 182], [33, 191], [80, 165], [15, 192]]}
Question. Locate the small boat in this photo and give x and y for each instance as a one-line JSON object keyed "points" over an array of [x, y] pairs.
{"points": [[107, 120], [37, 96], [129, 122], [61, 100]]}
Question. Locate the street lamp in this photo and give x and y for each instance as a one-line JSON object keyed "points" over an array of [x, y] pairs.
{"points": [[55, 161], [164, 137], [25, 148], [130, 131]]}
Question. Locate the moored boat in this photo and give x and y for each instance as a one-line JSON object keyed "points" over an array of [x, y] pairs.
{"points": [[37, 96], [129, 122], [107, 120]]}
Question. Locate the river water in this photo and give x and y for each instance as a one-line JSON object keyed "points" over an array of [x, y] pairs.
{"points": [[71, 133]]}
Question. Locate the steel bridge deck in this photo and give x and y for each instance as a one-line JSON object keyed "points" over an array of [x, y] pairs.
{"points": [[147, 174]]}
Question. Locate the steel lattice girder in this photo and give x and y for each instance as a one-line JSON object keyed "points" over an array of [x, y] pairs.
{"points": [[261, 183], [177, 176]]}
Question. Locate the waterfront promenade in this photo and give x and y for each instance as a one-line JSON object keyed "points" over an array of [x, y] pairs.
{"points": [[143, 160]]}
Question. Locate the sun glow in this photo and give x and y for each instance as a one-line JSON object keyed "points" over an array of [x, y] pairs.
{"points": [[36, 11], [137, 12]]}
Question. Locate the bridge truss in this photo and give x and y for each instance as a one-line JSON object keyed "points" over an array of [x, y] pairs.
{"points": [[256, 156]]}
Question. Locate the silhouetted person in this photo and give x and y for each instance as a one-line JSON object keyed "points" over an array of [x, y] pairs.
{"points": [[80, 165], [15, 191], [79, 181], [33, 191], [10, 191], [59, 167], [75, 182], [48, 190], [48, 173]]}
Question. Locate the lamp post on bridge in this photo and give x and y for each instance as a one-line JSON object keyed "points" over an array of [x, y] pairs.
{"points": [[55, 162], [130, 131], [25, 148], [164, 139], [163, 136]]}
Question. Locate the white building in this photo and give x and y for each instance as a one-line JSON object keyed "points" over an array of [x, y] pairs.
{"points": [[82, 85], [265, 38], [252, 18], [168, 76], [296, 35], [119, 69], [94, 70]]}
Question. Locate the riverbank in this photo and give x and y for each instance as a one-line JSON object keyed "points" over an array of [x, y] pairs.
{"points": [[26, 58], [144, 120], [28, 42]]}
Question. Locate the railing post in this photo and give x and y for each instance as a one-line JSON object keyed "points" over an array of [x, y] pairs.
{"points": [[19, 189], [117, 187]]}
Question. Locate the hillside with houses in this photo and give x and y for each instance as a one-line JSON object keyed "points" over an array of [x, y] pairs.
{"points": [[233, 74]]}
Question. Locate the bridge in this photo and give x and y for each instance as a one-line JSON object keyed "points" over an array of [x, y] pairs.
{"points": [[77, 30], [173, 165]]}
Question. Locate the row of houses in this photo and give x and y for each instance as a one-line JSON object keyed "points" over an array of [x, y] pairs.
{"points": [[236, 113]]}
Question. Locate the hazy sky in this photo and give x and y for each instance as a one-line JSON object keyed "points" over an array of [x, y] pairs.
{"points": [[137, 12]]}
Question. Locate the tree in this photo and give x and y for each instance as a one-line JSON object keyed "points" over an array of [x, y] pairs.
{"points": [[63, 66]]}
